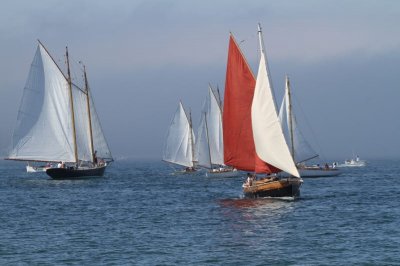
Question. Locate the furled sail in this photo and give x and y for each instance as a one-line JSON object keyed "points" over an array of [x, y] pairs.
{"points": [[270, 143], [178, 147], [239, 150], [301, 148]]}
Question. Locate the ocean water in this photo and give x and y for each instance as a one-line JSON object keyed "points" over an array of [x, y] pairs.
{"points": [[140, 214]]}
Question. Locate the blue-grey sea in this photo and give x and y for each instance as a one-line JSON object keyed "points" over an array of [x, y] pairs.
{"points": [[140, 214]]}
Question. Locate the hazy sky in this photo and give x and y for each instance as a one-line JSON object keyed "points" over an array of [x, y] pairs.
{"points": [[142, 57]]}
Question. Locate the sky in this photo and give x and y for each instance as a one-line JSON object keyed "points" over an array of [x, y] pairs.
{"points": [[143, 57]]}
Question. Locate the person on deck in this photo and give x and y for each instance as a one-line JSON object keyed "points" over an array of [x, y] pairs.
{"points": [[95, 158]]}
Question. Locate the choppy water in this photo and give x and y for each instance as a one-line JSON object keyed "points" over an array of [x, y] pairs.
{"points": [[139, 214]]}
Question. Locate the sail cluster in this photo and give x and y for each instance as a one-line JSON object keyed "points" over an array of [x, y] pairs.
{"points": [[45, 129], [209, 144]]}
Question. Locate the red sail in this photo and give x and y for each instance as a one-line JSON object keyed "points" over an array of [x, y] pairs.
{"points": [[239, 149]]}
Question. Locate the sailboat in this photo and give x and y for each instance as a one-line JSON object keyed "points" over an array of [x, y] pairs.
{"points": [[57, 123], [179, 144], [255, 141], [300, 149], [209, 144]]}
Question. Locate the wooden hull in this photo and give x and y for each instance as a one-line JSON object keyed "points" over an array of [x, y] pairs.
{"points": [[288, 187], [314, 172], [73, 173], [230, 173]]}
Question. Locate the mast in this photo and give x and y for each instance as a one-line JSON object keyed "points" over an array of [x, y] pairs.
{"points": [[191, 136], [219, 99], [263, 53], [216, 97], [290, 116], [72, 107], [208, 140], [89, 114]]}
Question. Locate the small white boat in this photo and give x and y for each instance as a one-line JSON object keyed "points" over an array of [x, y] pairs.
{"points": [[36, 169], [354, 163]]}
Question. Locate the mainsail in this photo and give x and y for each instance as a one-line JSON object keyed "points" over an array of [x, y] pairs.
{"points": [[239, 149], [203, 144], [300, 148], [178, 147], [44, 129], [269, 140], [209, 145]]}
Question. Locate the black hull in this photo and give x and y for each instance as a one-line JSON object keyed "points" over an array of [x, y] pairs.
{"points": [[289, 189], [73, 173]]}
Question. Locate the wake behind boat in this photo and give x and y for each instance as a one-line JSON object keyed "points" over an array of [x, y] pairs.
{"points": [[57, 122]]}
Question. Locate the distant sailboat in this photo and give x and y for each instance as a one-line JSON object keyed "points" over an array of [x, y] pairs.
{"points": [[255, 140], [57, 122], [209, 144], [300, 149], [179, 145]]}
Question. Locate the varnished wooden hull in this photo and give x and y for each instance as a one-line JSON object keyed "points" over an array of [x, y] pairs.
{"points": [[73, 173], [288, 187]]}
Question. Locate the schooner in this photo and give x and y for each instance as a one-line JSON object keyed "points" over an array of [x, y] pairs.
{"points": [[57, 122]]}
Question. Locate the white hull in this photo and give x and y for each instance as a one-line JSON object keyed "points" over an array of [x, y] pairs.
{"points": [[314, 172], [230, 173], [35, 169], [353, 164]]}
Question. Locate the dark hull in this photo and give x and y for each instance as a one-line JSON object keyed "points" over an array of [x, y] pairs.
{"points": [[281, 188], [73, 173]]}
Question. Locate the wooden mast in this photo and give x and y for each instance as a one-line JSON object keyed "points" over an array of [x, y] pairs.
{"points": [[72, 107], [208, 139], [89, 115], [191, 136], [289, 103]]}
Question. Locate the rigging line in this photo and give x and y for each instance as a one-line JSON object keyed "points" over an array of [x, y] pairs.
{"points": [[314, 136]]}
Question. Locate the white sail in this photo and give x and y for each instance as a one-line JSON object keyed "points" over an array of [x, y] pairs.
{"points": [[213, 113], [202, 144], [81, 124], [302, 149], [268, 136], [99, 141], [44, 129], [178, 147]]}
